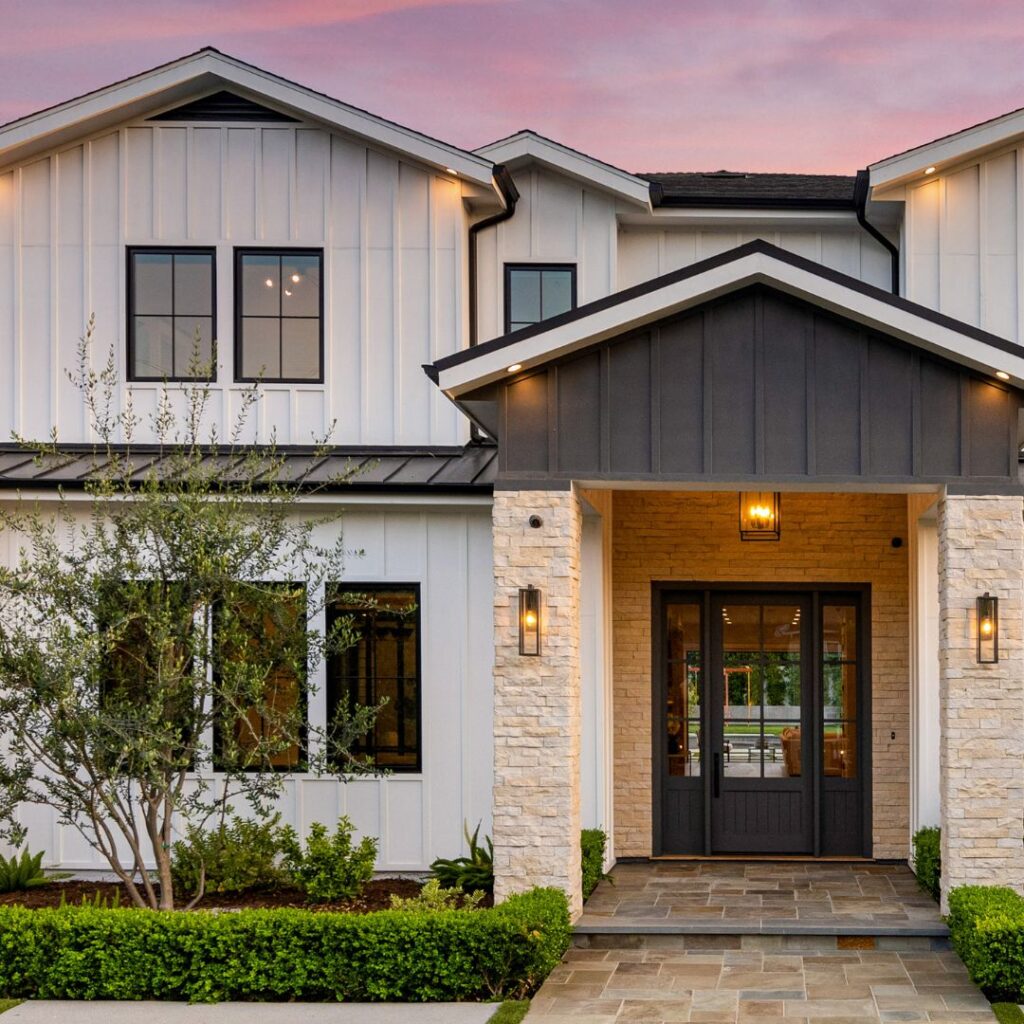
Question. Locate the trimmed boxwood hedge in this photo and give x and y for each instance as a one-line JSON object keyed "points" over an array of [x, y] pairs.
{"points": [[927, 861], [592, 846], [986, 925], [282, 955]]}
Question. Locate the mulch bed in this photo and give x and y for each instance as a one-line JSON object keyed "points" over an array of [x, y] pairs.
{"points": [[376, 895]]}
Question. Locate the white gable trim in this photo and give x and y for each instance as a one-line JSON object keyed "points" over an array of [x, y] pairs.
{"points": [[753, 268], [529, 147], [940, 153], [182, 79]]}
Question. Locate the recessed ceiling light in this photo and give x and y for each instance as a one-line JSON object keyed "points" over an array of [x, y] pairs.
{"points": [[515, 367], [269, 282], [452, 171], [930, 170], [1002, 375]]}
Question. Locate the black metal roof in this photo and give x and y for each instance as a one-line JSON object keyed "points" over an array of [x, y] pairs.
{"points": [[417, 469], [740, 188]]}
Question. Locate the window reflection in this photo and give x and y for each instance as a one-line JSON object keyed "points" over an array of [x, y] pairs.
{"points": [[685, 690]]}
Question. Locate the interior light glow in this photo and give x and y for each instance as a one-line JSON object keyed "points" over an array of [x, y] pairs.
{"points": [[269, 282], [296, 278]]}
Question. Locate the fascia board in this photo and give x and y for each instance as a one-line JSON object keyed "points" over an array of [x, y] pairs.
{"points": [[756, 268]]}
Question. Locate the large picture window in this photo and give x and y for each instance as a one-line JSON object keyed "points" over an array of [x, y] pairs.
{"points": [[383, 663], [171, 314], [279, 315], [537, 291]]}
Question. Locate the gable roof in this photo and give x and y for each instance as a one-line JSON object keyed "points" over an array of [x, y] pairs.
{"points": [[947, 149], [209, 71], [742, 188], [756, 262], [528, 146]]}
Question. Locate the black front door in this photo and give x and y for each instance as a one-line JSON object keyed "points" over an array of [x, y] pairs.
{"points": [[761, 698], [761, 724]]}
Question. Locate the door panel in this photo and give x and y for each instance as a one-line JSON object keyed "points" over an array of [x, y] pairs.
{"points": [[760, 724]]}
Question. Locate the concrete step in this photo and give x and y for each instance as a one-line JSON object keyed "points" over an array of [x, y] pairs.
{"points": [[776, 940]]}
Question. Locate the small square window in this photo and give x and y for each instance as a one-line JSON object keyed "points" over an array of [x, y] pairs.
{"points": [[279, 315], [171, 314], [536, 292]]}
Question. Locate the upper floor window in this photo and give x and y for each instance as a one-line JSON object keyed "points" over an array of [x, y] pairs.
{"points": [[383, 663], [537, 291], [171, 314], [279, 302]]}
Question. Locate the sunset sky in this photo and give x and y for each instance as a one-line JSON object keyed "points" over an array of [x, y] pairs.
{"points": [[803, 85]]}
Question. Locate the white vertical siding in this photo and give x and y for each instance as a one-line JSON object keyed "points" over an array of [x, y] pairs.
{"points": [[393, 238], [447, 551], [963, 243]]}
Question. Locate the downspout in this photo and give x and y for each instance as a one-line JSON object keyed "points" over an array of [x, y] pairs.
{"points": [[860, 202], [509, 192]]}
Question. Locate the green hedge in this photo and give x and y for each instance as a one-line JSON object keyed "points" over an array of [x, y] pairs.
{"points": [[592, 845], [927, 862], [986, 925], [282, 955]]}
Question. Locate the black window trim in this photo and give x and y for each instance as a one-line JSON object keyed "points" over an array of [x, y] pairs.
{"points": [[512, 267], [241, 251], [216, 765], [369, 588], [171, 250]]}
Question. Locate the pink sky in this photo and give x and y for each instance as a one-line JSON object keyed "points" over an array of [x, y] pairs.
{"points": [[799, 85]]}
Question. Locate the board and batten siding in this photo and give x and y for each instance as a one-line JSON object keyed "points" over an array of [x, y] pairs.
{"points": [[964, 241], [644, 253], [393, 235], [447, 550]]}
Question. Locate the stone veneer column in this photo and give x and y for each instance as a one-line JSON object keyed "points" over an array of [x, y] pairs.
{"points": [[981, 548], [537, 705]]}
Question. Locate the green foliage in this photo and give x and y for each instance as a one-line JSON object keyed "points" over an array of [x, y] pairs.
{"points": [[433, 898], [927, 861], [512, 1011], [20, 873], [330, 867], [10, 1004], [592, 846], [986, 925], [284, 955], [468, 873], [239, 855], [1005, 1013]]}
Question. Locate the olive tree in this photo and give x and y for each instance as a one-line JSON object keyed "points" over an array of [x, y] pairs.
{"points": [[156, 632]]}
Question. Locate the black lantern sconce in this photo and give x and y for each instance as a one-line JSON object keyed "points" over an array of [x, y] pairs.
{"points": [[988, 629], [529, 620], [760, 515]]}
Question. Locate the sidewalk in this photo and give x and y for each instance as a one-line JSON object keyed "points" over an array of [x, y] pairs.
{"points": [[110, 1012]]}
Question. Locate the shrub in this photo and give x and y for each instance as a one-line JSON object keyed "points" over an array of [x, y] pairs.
{"points": [[238, 855], [470, 873], [330, 867], [20, 873], [284, 955], [927, 862], [986, 925], [433, 898], [592, 846]]}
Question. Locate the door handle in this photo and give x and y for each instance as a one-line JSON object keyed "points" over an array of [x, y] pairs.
{"points": [[717, 777]]}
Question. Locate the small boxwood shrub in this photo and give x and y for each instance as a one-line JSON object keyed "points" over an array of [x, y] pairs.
{"points": [[283, 955], [592, 845], [927, 862], [986, 925], [330, 867]]}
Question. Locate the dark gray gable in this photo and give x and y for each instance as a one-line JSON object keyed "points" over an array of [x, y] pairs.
{"points": [[756, 386], [223, 106]]}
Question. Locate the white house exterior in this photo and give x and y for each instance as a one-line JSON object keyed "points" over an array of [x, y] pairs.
{"points": [[614, 364]]}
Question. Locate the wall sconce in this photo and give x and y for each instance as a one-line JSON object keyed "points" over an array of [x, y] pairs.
{"points": [[988, 629], [529, 620], [760, 515]]}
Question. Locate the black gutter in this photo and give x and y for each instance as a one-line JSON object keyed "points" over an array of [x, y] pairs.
{"points": [[860, 198], [509, 192]]}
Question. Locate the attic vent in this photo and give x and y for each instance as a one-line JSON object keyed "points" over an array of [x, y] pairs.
{"points": [[222, 106]]}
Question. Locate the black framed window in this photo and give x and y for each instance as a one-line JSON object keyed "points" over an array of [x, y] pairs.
{"points": [[279, 305], [253, 735], [537, 291], [172, 313], [383, 662]]}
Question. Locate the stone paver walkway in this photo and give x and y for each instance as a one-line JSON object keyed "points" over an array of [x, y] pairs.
{"points": [[746, 897]]}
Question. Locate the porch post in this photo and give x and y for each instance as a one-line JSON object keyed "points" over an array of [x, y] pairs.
{"points": [[981, 548], [537, 702]]}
